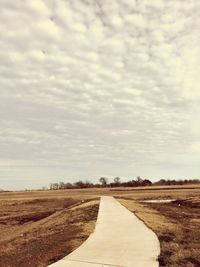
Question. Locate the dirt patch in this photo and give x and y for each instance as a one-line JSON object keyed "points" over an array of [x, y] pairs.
{"points": [[40, 232], [22, 219]]}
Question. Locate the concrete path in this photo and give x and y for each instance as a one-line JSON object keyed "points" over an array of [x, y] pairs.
{"points": [[120, 240]]}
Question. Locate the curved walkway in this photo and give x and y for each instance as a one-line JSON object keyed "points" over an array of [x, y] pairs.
{"points": [[120, 239]]}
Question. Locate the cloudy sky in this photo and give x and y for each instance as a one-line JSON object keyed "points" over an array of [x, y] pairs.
{"points": [[92, 88]]}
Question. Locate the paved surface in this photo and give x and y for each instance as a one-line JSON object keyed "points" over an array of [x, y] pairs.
{"points": [[120, 239]]}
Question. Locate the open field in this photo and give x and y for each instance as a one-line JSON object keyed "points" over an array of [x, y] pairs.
{"points": [[40, 227], [177, 225], [37, 232]]}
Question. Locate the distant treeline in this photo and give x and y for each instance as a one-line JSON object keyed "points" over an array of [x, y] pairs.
{"points": [[177, 182], [103, 182]]}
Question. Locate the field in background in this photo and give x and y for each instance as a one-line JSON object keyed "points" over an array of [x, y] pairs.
{"points": [[40, 227]]}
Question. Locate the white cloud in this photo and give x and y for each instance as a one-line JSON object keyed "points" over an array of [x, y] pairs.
{"points": [[136, 20], [39, 7], [112, 85]]}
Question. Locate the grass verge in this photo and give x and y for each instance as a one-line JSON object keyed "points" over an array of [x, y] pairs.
{"points": [[177, 227]]}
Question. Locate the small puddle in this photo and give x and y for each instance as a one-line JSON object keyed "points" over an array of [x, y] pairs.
{"points": [[158, 201]]}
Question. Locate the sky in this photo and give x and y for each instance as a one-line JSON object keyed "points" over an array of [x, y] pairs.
{"points": [[92, 88]]}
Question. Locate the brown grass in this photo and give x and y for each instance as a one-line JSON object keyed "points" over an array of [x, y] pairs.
{"points": [[38, 232], [177, 225], [40, 227]]}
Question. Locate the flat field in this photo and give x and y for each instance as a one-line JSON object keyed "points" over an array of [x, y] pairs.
{"points": [[40, 227]]}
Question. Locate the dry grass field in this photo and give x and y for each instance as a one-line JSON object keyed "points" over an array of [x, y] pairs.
{"points": [[177, 224], [40, 227], [37, 230]]}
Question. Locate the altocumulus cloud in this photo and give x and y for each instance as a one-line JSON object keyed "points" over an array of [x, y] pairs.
{"points": [[91, 88]]}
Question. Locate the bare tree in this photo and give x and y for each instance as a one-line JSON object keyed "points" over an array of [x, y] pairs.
{"points": [[54, 186], [61, 185], [116, 180], [103, 181]]}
